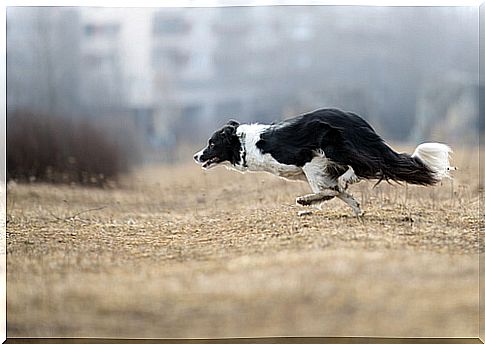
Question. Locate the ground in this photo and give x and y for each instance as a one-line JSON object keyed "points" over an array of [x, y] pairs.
{"points": [[180, 252]]}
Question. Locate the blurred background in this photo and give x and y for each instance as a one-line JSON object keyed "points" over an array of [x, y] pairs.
{"points": [[92, 92]]}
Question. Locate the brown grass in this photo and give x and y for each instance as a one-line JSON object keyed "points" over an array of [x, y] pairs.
{"points": [[178, 252]]}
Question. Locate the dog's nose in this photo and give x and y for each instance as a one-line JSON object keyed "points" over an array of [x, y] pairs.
{"points": [[196, 157]]}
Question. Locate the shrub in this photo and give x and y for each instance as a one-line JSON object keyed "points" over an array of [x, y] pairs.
{"points": [[62, 150]]}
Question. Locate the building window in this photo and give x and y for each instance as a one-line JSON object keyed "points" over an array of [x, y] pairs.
{"points": [[97, 60], [165, 25], [170, 57], [101, 30]]}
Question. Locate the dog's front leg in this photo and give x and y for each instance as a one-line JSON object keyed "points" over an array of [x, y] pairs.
{"points": [[311, 199]]}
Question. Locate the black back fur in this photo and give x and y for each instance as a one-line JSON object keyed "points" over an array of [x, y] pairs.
{"points": [[347, 140]]}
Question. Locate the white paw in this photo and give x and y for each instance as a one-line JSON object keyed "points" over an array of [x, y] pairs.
{"points": [[348, 178], [305, 212]]}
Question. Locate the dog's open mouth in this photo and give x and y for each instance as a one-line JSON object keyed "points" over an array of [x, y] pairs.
{"points": [[210, 162]]}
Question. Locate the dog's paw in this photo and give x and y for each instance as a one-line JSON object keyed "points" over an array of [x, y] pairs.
{"points": [[302, 200], [345, 182], [359, 214], [347, 179]]}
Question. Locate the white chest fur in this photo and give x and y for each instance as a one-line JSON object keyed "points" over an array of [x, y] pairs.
{"points": [[249, 135]]}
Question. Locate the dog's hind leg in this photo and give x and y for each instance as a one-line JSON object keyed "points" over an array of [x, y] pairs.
{"points": [[326, 187], [351, 201], [349, 177]]}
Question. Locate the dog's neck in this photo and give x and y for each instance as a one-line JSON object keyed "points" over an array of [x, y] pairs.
{"points": [[252, 159], [250, 156]]}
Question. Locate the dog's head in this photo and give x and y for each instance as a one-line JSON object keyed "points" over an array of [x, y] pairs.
{"points": [[223, 146]]}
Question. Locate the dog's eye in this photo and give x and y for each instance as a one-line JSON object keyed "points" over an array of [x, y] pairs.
{"points": [[212, 145]]}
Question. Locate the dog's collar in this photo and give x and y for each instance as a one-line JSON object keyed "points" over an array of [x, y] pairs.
{"points": [[242, 152]]}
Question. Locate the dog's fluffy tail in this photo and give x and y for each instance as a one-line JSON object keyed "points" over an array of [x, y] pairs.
{"points": [[436, 156], [428, 165]]}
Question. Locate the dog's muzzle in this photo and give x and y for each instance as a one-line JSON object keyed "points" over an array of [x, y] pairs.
{"points": [[207, 163]]}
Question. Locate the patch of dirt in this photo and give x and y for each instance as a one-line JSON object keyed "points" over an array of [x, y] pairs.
{"points": [[179, 252]]}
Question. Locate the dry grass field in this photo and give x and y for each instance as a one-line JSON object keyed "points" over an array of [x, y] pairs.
{"points": [[179, 252]]}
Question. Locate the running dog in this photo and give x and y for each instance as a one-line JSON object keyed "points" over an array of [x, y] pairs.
{"points": [[328, 148]]}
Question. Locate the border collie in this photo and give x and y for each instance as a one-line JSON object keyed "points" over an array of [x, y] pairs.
{"points": [[328, 148]]}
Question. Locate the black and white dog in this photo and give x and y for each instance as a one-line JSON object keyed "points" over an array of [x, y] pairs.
{"points": [[328, 148]]}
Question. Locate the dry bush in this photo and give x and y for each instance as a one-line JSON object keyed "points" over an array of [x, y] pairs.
{"points": [[61, 150]]}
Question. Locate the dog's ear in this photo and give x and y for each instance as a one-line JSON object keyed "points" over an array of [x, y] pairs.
{"points": [[229, 130], [228, 133], [233, 123]]}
